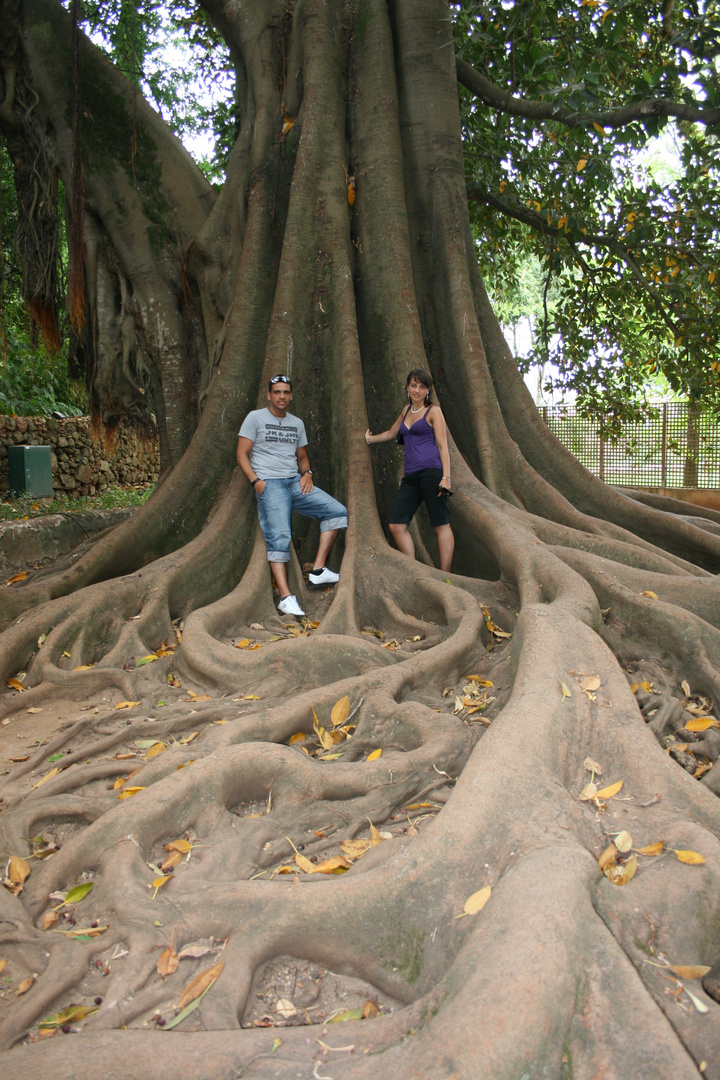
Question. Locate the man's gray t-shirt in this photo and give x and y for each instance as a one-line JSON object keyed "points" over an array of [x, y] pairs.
{"points": [[275, 443]]}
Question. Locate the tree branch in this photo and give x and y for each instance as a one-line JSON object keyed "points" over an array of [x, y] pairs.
{"points": [[476, 193], [497, 98]]}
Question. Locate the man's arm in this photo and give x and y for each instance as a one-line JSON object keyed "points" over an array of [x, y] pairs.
{"points": [[243, 460], [306, 480]]}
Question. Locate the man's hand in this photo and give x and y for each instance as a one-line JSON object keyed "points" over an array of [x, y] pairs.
{"points": [[306, 483], [259, 487]]}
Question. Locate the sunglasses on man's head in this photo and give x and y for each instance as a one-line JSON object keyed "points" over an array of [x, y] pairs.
{"points": [[279, 378]]}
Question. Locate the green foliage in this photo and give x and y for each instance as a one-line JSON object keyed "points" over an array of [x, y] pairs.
{"points": [[35, 383], [179, 61], [18, 507], [627, 251]]}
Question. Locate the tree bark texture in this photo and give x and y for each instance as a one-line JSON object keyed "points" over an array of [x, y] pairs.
{"points": [[193, 299]]}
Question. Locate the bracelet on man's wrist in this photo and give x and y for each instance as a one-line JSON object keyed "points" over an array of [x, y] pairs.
{"points": [[447, 478], [308, 472], [255, 481]]}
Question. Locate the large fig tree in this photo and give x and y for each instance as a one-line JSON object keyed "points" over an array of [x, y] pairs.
{"points": [[451, 809]]}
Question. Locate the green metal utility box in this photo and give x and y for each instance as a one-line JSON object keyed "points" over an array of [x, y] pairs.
{"points": [[30, 470]]}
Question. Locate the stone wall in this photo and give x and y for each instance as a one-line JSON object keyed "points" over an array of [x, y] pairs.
{"points": [[82, 463]]}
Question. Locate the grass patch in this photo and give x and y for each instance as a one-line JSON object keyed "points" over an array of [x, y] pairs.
{"points": [[21, 507]]}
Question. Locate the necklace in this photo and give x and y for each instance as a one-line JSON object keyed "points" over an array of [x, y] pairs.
{"points": [[416, 410]]}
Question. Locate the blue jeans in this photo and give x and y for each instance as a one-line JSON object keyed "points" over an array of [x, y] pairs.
{"points": [[279, 498]]}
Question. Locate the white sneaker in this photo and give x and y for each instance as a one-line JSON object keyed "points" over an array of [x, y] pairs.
{"points": [[289, 606], [323, 577]]}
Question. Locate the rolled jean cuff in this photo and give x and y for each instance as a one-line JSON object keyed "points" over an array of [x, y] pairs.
{"points": [[278, 556], [334, 523]]}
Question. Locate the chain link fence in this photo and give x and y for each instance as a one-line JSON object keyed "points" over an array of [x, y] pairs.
{"points": [[677, 446]]}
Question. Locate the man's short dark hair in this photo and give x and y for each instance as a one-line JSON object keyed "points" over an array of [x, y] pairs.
{"points": [[278, 378]]}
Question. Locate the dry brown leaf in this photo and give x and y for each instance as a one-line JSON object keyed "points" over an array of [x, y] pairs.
{"points": [[18, 870], [304, 863], [620, 875], [685, 687], [47, 776], [592, 766], [168, 962], [50, 919], [589, 682], [374, 755], [187, 739], [198, 697], [689, 971], [652, 849], [25, 985], [16, 577], [369, 1009], [340, 711], [608, 792], [35, 709], [243, 643], [691, 857], [588, 792], [200, 983], [477, 901], [126, 704], [623, 841]]}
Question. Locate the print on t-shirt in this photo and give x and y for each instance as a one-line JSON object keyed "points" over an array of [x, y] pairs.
{"points": [[276, 433]]}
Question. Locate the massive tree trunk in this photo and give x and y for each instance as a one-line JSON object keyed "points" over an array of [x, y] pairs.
{"points": [[560, 973]]}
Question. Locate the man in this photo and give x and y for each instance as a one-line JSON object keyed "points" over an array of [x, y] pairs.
{"points": [[272, 453]]}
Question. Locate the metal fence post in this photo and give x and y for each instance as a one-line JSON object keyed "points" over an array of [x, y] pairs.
{"points": [[663, 449]]}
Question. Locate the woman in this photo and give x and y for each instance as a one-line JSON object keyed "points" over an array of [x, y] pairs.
{"points": [[422, 430]]}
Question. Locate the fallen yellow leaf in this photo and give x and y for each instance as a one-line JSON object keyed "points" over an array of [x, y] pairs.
{"points": [[374, 755], [650, 593], [126, 704], [16, 684], [700, 723], [477, 901], [621, 874], [155, 749], [690, 857], [25, 985], [652, 849], [47, 776], [18, 870], [608, 792], [690, 971], [340, 711]]}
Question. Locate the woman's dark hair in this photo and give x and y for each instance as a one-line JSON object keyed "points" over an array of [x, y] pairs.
{"points": [[424, 378]]}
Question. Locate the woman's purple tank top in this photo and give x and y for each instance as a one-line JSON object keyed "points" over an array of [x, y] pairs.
{"points": [[421, 451]]}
